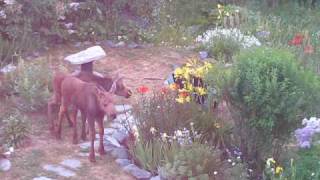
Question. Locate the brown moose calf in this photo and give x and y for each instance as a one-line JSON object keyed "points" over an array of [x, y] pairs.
{"points": [[104, 82], [92, 101]]}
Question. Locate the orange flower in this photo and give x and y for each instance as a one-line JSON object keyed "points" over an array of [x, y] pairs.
{"points": [[174, 86], [143, 89], [308, 49], [184, 94]]}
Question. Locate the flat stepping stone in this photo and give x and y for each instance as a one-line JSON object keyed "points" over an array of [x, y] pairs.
{"points": [[123, 108], [111, 141], [59, 170], [42, 178], [71, 163], [123, 162], [120, 153], [5, 164], [137, 172]]}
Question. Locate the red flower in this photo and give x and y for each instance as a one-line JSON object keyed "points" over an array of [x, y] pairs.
{"points": [[143, 89], [297, 40], [164, 90], [308, 49], [184, 94]]}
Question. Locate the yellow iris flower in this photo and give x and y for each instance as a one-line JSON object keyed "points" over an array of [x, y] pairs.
{"points": [[279, 170]]}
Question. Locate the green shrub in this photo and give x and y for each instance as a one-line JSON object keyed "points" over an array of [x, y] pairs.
{"points": [[30, 84], [16, 128], [195, 162], [269, 95]]}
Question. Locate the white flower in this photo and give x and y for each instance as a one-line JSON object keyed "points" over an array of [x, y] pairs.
{"points": [[312, 174], [153, 130], [11, 149], [178, 133], [233, 164], [229, 160], [164, 136], [191, 124], [234, 34], [215, 172]]}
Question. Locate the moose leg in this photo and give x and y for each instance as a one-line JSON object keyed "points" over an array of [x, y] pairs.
{"points": [[51, 103], [92, 138], [74, 122], [69, 120], [101, 133], [83, 128], [62, 111]]}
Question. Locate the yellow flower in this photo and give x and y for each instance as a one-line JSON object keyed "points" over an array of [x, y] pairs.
{"points": [[219, 6], [270, 161], [201, 91], [189, 87], [279, 170], [180, 100], [188, 99], [178, 72]]}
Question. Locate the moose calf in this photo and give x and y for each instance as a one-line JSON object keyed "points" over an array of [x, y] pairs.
{"points": [[92, 101], [104, 82]]}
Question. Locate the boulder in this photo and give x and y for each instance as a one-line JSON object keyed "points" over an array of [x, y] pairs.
{"points": [[137, 172], [120, 136], [108, 140], [120, 153], [5, 164], [86, 56], [8, 68]]}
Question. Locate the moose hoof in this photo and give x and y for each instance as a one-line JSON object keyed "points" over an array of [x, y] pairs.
{"points": [[92, 158], [102, 152]]}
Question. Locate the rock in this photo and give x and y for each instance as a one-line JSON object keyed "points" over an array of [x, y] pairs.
{"points": [[155, 178], [109, 131], [42, 178], [85, 147], [203, 55], [120, 136], [108, 140], [120, 153], [8, 68], [59, 170], [123, 162], [74, 5], [71, 163], [109, 43], [78, 44], [88, 55], [137, 172], [120, 44], [86, 154], [5, 164], [133, 45], [117, 125], [109, 148], [123, 108]]}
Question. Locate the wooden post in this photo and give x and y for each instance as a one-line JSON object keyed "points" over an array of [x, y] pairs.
{"points": [[87, 67]]}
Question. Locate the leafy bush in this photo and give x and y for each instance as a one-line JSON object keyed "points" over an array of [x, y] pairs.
{"points": [[30, 83], [268, 95], [16, 128], [195, 162]]}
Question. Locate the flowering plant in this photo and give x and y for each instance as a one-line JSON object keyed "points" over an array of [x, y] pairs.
{"points": [[189, 80], [209, 37]]}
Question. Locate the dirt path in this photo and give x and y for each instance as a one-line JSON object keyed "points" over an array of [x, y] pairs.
{"points": [[41, 149]]}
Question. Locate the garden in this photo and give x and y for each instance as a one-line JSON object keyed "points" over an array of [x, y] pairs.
{"points": [[221, 90]]}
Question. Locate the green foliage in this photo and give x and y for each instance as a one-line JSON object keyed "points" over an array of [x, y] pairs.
{"points": [[195, 162], [151, 155], [16, 128], [30, 83], [270, 94], [223, 49]]}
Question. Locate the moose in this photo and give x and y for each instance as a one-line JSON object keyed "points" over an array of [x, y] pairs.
{"points": [[93, 102], [103, 82]]}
